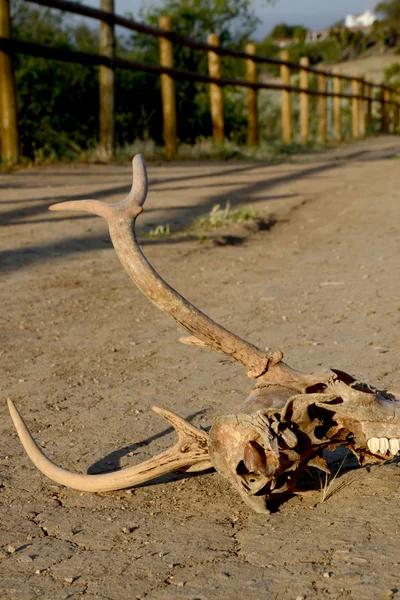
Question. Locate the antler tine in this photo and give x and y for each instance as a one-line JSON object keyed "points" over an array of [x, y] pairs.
{"points": [[190, 453], [121, 218]]}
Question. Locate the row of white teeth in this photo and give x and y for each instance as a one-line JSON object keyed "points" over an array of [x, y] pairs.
{"points": [[383, 445]]}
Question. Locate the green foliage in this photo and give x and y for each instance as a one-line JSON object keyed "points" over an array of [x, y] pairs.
{"points": [[58, 102], [285, 31], [392, 74], [232, 20], [391, 13], [219, 216], [53, 120], [160, 231], [325, 51]]}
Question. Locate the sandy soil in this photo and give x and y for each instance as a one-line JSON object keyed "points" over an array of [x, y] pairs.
{"points": [[370, 66], [84, 355]]}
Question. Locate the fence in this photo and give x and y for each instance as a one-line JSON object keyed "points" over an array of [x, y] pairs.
{"points": [[361, 97]]}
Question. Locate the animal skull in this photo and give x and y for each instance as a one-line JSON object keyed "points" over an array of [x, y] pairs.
{"points": [[282, 427]]}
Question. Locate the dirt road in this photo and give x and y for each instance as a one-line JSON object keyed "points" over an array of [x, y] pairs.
{"points": [[84, 356]]}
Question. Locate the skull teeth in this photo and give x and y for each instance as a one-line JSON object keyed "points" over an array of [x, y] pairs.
{"points": [[383, 445], [373, 445], [394, 446]]}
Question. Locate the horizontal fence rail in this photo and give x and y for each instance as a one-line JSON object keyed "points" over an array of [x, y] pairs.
{"points": [[361, 96], [85, 58]]}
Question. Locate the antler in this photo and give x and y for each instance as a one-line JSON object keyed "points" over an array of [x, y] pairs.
{"points": [[190, 453], [121, 219]]}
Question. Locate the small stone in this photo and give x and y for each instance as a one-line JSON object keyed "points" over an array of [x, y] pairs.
{"points": [[327, 575], [25, 559], [127, 529], [11, 549], [69, 579], [38, 572], [381, 350]]}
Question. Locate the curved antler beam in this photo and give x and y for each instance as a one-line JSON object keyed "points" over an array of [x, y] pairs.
{"points": [[190, 453], [121, 219]]}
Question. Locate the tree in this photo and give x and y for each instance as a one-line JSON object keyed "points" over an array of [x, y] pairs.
{"points": [[234, 21], [284, 31], [391, 12], [58, 102]]}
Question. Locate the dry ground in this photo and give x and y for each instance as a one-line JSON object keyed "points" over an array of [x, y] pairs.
{"points": [[84, 355], [370, 66]]}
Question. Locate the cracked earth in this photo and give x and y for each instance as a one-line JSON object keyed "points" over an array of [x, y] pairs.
{"points": [[84, 356]]}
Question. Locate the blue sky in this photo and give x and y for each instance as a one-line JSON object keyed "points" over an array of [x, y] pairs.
{"points": [[315, 14]]}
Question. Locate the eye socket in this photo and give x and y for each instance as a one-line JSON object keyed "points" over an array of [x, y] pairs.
{"points": [[320, 432]]}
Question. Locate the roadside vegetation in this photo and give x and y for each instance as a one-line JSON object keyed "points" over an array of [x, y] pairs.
{"points": [[58, 102]]}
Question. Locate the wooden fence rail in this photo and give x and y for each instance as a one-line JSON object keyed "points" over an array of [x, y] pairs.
{"points": [[361, 96]]}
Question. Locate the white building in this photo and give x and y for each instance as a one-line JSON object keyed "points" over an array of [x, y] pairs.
{"points": [[366, 19]]}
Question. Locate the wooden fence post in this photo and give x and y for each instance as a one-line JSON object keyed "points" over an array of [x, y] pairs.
{"points": [[368, 116], [168, 97], [8, 97], [304, 101], [362, 88], [355, 90], [252, 109], [393, 111], [397, 112], [384, 109], [216, 95], [337, 105], [392, 98], [107, 84], [322, 106], [386, 94], [286, 107]]}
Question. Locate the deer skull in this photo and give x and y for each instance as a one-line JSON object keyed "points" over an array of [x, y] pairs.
{"points": [[283, 426]]}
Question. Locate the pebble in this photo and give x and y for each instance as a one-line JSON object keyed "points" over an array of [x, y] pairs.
{"points": [[69, 579], [179, 584], [11, 549], [25, 558]]}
